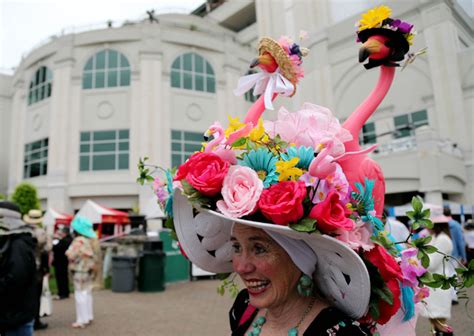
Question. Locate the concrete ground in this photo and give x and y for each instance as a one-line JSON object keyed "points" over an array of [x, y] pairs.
{"points": [[192, 308]]}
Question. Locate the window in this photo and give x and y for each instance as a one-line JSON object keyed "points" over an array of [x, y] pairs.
{"points": [[40, 85], [36, 159], [368, 135], [183, 145], [192, 72], [406, 124], [108, 68], [104, 150]]}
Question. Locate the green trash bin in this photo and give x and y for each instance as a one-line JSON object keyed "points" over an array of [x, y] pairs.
{"points": [[151, 271], [176, 265]]}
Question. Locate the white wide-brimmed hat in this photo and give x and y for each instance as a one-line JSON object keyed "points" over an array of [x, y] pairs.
{"points": [[340, 273], [34, 216]]}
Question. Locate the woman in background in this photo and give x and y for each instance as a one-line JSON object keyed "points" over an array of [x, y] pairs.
{"points": [[82, 265]]}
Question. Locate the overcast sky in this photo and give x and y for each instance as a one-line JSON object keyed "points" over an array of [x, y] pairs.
{"points": [[25, 23]]}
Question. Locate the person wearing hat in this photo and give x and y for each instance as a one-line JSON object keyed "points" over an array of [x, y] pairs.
{"points": [[17, 273], [438, 303], [34, 218], [60, 262], [82, 265]]}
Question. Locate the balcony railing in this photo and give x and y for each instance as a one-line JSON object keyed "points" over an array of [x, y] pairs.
{"points": [[397, 145]]}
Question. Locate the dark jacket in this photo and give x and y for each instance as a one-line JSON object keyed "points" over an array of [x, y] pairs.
{"points": [[17, 281], [59, 252]]}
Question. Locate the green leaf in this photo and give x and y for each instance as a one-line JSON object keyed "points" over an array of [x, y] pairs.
{"points": [[427, 277], [425, 223], [425, 260], [305, 225], [430, 249], [385, 294], [426, 213], [411, 214], [239, 142], [223, 276], [417, 203]]}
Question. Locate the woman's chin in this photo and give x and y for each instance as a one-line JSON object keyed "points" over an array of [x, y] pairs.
{"points": [[259, 297]]}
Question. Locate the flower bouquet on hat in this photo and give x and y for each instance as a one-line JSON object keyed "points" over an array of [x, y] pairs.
{"points": [[296, 176]]}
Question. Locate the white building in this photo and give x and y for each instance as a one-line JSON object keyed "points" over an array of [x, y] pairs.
{"points": [[81, 109]]}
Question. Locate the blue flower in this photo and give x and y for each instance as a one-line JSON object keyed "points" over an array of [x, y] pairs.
{"points": [[305, 154], [169, 187], [364, 197], [263, 162]]}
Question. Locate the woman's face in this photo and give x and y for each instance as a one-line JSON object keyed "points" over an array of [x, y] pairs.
{"points": [[265, 268]]}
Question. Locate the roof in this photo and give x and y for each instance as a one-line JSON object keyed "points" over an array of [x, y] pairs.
{"points": [[97, 213]]}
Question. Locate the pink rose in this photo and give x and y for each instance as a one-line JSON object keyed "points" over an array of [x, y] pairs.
{"points": [[205, 172], [241, 190], [331, 214], [282, 203], [357, 238]]}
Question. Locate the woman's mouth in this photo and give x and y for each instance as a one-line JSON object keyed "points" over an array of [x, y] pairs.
{"points": [[256, 287]]}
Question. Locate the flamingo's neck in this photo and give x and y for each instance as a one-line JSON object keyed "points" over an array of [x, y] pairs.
{"points": [[219, 138], [363, 112], [256, 110]]}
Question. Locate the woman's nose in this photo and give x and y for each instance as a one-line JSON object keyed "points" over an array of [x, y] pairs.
{"points": [[243, 265]]}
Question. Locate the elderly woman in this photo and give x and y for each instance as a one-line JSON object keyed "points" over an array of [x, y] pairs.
{"points": [[278, 299], [82, 265]]}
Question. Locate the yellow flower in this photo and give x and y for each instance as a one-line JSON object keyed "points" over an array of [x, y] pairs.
{"points": [[234, 125], [374, 17], [409, 38], [258, 133], [287, 170]]}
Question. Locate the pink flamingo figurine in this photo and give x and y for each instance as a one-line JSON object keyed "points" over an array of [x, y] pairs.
{"points": [[383, 47], [218, 144]]}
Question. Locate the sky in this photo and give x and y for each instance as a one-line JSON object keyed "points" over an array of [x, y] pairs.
{"points": [[26, 23]]}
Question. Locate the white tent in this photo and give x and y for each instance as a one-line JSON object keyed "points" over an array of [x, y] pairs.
{"points": [[152, 209], [99, 214], [52, 217]]}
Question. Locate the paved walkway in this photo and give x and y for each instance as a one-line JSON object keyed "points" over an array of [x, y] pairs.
{"points": [[192, 308]]}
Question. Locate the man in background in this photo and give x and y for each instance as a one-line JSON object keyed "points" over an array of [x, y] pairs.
{"points": [[17, 273], [60, 261]]}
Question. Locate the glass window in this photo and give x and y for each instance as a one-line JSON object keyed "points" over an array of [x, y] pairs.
{"points": [[104, 150], [368, 133], [36, 159], [406, 124], [106, 69], [183, 145], [40, 85], [192, 72]]}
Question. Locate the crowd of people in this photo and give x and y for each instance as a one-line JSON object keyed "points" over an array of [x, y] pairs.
{"points": [[26, 254]]}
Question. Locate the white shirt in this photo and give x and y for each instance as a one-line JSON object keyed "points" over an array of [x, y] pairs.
{"points": [[469, 238]]}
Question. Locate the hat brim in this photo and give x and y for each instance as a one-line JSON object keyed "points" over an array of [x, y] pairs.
{"points": [[267, 44], [440, 219], [30, 220], [340, 273], [89, 233]]}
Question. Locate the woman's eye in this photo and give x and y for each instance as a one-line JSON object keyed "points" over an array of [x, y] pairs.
{"points": [[259, 249], [236, 248]]}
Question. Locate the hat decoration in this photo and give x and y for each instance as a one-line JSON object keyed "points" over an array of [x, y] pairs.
{"points": [[284, 176], [281, 70], [377, 21]]}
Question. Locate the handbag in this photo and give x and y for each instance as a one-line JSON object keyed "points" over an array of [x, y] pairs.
{"points": [[46, 302]]}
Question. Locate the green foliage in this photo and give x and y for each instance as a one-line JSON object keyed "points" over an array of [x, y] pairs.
{"points": [[26, 197], [144, 173], [228, 284], [305, 225], [169, 224], [2, 197], [239, 142], [420, 217], [467, 274], [195, 196], [424, 249]]}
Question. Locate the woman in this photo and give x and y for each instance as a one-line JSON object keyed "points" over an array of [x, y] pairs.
{"points": [[438, 303], [82, 266], [275, 301]]}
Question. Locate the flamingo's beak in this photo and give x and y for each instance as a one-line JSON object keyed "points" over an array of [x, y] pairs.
{"points": [[208, 134], [264, 59], [371, 46]]}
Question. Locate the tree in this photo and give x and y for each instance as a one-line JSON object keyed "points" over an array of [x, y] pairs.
{"points": [[26, 197]]}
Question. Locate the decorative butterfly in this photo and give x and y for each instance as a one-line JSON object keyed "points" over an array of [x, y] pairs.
{"points": [[412, 56]]}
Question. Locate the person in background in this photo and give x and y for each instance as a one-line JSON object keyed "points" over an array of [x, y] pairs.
{"points": [[397, 229], [438, 303], [43, 248], [82, 265], [60, 261], [455, 228], [17, 273], [469, 239]]}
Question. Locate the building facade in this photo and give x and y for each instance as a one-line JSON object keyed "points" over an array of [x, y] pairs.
{"points": [[80, 110]]}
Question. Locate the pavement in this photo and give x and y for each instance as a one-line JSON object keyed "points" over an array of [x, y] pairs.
{"points": [[191, 309]]}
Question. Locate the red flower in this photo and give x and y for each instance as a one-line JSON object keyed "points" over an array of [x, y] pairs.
{"points": [[205, 172], [387, 310], [282, 203], [331, 214], [391, 273], [385, 263]]}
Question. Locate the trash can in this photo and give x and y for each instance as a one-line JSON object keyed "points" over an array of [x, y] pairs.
{"points": [[151, 271], [123, 273], [176, 265]]}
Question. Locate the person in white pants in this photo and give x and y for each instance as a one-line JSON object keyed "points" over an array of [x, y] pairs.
{"points": [[82, 264]]}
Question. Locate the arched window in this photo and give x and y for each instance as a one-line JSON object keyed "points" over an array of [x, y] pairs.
{"points": [[40, 85], [108, 68], [192, 72]]}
